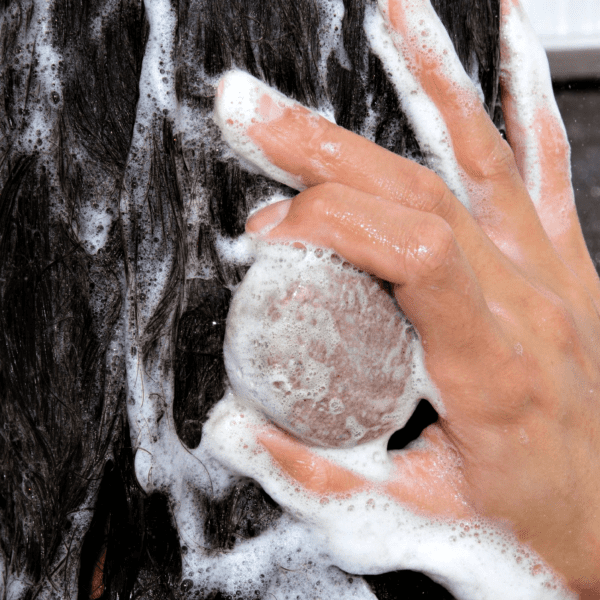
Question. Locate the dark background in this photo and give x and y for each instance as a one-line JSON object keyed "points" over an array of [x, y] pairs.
{"points": [[579, 104]]}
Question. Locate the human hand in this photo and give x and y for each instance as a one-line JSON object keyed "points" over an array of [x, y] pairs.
{"points": [[505, 299]]}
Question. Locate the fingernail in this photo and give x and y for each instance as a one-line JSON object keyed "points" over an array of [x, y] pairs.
{"points": [[268, 218]]}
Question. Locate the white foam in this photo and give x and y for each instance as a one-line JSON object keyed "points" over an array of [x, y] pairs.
{"points": [[429, 127], [94, 221], [93, 215], [474, 76], [158, 74], [369, 125], [41, 120], [238, 250], [321, 348], [236, 109], [331, 15], [16, 586], [108, 9]]}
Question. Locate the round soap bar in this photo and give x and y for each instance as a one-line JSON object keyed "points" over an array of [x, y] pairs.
{"points": [[320, 347]]}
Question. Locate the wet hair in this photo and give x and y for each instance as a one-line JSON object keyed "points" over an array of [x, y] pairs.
{"points": [[68, 493]]}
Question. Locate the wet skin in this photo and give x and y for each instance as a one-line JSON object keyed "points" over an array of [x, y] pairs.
{"points": [[505, 300]]}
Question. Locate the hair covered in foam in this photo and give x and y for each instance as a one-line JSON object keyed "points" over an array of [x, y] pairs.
{"points": [[114, 102], [321, 348]]}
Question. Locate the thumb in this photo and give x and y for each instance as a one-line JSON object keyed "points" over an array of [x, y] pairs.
{"points": [[314, 473], [426, 478]]}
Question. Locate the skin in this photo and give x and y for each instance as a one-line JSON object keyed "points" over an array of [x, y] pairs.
{"points": [[505, 302]]}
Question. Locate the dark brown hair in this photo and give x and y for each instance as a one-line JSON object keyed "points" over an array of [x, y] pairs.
{"points": [[67, 487]]}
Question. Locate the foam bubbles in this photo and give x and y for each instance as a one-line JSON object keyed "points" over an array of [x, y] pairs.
{"points": [[236, 109], [426, 120], [321, 348], [44, 60]]}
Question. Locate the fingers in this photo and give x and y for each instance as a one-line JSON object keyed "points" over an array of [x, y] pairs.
{"points": [[425, 479], [302, 149], [316, 474], [425, 56], [538, 137], [243, 101], [415, 250], [432, 473]]}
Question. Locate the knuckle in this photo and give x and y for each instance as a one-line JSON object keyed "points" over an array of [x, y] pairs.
{"points": [[427, 192], [441, 200], [553, 320], [319, 200], [315, 202], [498, 161], [431, 246]]}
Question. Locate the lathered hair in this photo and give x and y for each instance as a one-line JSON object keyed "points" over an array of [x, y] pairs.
{"points": [[67, 487]]}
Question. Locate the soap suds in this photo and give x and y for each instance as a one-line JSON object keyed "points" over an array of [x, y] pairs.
{"points": [[366, 532], [525, 75], [321, 348]]}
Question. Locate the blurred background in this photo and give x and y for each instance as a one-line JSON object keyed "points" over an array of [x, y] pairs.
{"points": [[570, 32]]}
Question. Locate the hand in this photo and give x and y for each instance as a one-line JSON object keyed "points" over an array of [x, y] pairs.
{"points": [[505, 299]]}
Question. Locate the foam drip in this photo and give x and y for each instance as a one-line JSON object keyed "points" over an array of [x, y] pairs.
{"points": [[331, 15], [38, 134], [157, 97]]}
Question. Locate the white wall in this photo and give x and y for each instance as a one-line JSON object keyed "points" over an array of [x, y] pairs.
{"points": [[566, 22], [570, 32]]}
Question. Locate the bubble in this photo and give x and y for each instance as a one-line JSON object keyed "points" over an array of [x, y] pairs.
{"points": [[320, 348]]}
